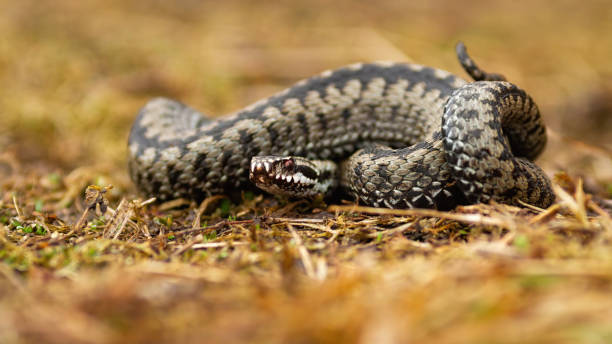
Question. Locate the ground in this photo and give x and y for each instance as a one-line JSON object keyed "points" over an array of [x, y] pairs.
{"points": [[102, 264]]}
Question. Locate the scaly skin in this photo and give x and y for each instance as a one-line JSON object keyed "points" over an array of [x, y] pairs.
{"points": [[444, 154]]}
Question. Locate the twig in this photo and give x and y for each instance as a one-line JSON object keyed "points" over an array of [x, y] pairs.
{"points": [[531, 206], [215, 226], [81, 220], [546, 214], [16, 206], [398, 229], [303, 253], [466, 218], [146, 202], [572, 204], [202, 208], [296, 220], [218, 244], [175, 203]]}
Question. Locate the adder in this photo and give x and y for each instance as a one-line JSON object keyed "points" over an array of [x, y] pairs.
{"points": [[397, 135]]}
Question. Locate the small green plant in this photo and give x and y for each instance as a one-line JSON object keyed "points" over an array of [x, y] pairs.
{"points": [[225, 206], [97, 223], [521, 242], [54, 180], [40, 230], [249, 196], [38, 205], [212, 235], [164, 221], [15, 224], [223, 254]]}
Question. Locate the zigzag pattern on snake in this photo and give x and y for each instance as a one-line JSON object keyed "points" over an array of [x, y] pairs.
{"points": [[406, 136]]}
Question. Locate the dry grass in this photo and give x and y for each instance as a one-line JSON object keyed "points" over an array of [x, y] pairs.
{"points": [[99, 265]]}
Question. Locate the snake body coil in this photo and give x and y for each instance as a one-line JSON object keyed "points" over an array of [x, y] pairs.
{"points": [[407, 136]]}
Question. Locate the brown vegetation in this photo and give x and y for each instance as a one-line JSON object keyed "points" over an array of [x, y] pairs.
{"points": [[97, 264]]}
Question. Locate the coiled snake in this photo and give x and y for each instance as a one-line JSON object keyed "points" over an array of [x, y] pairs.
{"points": [[405, 136]]}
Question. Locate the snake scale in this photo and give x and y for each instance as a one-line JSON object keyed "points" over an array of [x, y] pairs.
{"points": [[404, 135]]}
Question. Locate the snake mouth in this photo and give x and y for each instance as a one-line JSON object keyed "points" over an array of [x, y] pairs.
{"points": [[288, 176]]}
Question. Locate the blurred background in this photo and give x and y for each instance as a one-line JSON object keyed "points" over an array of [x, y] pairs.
{"points": [[75, 73]]}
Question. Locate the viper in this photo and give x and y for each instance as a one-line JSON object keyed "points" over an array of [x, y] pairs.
{"points": [[397, 135]]}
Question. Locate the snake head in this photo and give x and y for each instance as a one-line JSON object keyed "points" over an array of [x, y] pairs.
{"points": [[292, 176]]}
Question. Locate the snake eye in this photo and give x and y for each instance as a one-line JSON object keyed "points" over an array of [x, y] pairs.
{"points": [[289, 164]]}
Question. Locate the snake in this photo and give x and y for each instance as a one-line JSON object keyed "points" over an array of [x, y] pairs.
{"points": [[389, 134]]}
